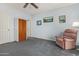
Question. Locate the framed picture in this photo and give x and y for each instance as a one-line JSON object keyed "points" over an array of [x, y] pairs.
{"points": [[62, 19], [39, 22], [47, 19]]}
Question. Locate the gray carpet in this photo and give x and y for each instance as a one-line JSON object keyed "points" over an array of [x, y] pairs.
{"points": [[34, 47]]}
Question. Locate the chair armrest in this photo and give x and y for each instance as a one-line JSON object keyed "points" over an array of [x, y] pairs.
{"points": [[59, 38]]}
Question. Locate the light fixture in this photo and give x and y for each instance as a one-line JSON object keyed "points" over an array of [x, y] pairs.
{"points": [[75, 24]]}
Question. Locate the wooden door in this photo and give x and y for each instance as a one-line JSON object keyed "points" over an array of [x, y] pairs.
{"points": [[22, 30]]}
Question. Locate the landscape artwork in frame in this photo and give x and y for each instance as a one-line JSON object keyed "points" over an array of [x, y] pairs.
{"points": [[62, 19], [39, 22], [47, 19]]}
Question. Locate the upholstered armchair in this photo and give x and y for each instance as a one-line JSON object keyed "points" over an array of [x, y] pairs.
{"points": [[68, 39]]}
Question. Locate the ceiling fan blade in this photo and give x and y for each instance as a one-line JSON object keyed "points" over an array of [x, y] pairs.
{"points": [[34, 5], [25, 5]]}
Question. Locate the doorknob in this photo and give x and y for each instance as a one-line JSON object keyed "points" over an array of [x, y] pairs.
{"points": [[8, 29]]}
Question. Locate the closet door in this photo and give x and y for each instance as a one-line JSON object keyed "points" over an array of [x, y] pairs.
{"points": [[5, 28]]}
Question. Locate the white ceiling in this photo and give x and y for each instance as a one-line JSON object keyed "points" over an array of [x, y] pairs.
{"points": [[43, 7]]}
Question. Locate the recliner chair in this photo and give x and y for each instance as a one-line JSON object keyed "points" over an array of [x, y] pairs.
{"points": [[68, 40]]}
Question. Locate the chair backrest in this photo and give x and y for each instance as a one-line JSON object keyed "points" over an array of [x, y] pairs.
{"points": [[70, 33]]}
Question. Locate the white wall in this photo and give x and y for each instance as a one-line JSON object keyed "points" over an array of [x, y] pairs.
{"points": [[7, 16], [47, 30], [50, 30]]}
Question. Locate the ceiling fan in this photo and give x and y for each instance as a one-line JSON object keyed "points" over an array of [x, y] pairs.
{"points": [[33, 4]]}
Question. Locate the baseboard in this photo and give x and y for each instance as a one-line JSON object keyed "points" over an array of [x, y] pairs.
{"points": [[43, 38], [7, 42]]}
